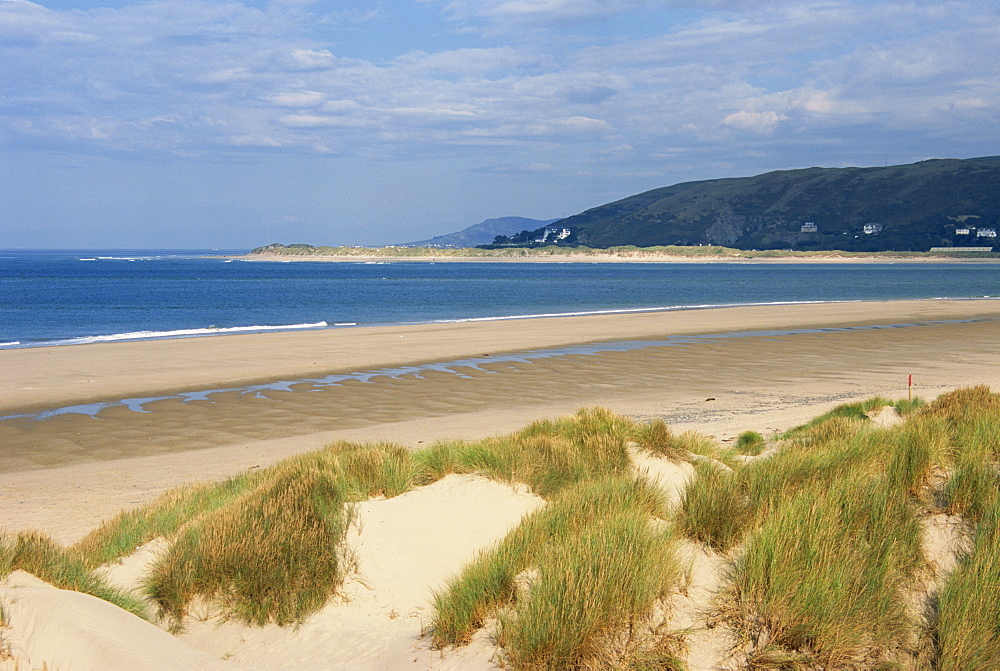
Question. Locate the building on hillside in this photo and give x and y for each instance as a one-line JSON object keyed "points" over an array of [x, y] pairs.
{"points": [[986, 233], [809, 227], [554, 234], [962, 231], [872, 229]]}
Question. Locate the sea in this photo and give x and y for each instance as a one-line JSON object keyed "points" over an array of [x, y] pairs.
{"points": [[83, 296]]}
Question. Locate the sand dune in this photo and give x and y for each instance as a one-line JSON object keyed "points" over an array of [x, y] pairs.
{"points": [[64, 475]]}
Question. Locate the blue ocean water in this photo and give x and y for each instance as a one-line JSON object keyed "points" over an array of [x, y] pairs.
{"points": [[60, 297]]}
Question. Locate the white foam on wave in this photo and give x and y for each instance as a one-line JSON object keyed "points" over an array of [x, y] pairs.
{"points": [[10, 344], [620, 311], [179, 333]]}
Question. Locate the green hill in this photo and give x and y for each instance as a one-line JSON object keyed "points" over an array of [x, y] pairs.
{"points": [[905, 207], [481, 233]]}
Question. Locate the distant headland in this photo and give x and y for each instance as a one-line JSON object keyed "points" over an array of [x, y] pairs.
{"points": [[934, 207]]}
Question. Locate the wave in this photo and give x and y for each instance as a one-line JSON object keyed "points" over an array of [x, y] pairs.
{"points": [[181, 333], [10, 344], [620, 311]]}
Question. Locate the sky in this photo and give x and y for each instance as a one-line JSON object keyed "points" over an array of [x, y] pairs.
{"points": [[232, 124]]}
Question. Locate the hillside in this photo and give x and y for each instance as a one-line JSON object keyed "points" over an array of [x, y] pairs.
{"points": [[906, 207], [482, 233]]}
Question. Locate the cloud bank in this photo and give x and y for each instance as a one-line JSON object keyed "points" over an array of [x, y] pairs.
{"points": [[655, 90]]}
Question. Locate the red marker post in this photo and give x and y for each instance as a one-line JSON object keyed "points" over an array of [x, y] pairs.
{"points": [[909, 388]]}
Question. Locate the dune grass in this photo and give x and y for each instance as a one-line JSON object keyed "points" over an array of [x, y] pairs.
{"points": [[823, 576], [721, 507], [827, 542], [266, 546], [823, 538], [750, 443], [551, 455], [39, 555], [591, 593], [271, 556], [599, 563], [968, 610], [857, 411], [130, 529]]}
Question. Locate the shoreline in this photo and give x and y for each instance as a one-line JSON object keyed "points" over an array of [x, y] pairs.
{"points": [[184, 334], [610, 257], [40, 378]]}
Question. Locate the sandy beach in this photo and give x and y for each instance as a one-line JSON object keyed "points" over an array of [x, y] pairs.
{"points": [[720, 371], [762, 368]]}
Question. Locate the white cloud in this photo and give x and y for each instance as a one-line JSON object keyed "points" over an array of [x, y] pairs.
{"points": [[763, 123], [254, 141], [297, 99], [227, 74], [540, 11], [311, 121], [313, 58]]}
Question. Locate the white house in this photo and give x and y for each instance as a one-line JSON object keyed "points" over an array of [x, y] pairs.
{"points": [[809, 227], [986, 233], [962, 231], [555, 234], [872, 229]]}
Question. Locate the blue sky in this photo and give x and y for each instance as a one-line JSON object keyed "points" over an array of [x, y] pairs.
{"points": [[203, 123]]}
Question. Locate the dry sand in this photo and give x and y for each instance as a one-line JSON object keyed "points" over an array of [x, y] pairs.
{"points": [[65, 474]]}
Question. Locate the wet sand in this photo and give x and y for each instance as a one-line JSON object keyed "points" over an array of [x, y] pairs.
{"points": [[65, 473]]}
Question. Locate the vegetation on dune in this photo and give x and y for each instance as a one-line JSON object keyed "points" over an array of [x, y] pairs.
{"points": [[595, 561], [968, 610], [39, 555], [822, 535], [270, 556], [823, 574], [266, 546]]}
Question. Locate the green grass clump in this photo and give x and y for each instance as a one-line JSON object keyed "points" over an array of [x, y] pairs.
{"points": [[715, 508], [270, 556], [39, 555], [657, 438], [720, 508], [824, 573], [750, 442], [856, 412], [490, 581], [968, 610], [121, 535], [548, 456], [590, 591]]}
